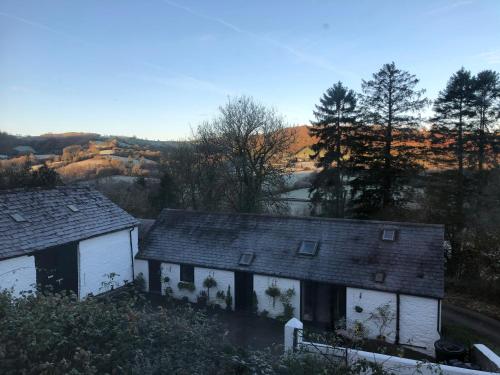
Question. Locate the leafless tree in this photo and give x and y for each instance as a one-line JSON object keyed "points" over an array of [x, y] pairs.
{"points": [[249, 143]]}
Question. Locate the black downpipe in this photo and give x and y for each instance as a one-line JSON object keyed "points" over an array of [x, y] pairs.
{"points": [[131, 252], [398, 302]]}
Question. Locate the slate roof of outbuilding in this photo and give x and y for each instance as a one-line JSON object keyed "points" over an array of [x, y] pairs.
{"points": [[350, 251], [49, 220]]}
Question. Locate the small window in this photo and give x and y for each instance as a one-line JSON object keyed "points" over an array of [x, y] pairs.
{"points": [[308, 248], [73, 208], [18, 217], [187, 274], [389, 234], [380, 277], [246, 259]]}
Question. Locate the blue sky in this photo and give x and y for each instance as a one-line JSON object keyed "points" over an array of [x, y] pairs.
{"points": [[156, 68]]}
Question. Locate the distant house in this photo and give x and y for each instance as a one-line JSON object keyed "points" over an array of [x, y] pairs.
{"points": [[69, 238], [106, 152], [45, 157], [24, 150], [338, 269]]}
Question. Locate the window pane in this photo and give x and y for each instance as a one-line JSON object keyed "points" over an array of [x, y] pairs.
{"points": [[187, 274]]}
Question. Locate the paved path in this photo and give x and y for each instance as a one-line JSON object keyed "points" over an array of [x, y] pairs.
{"points": [[484, 326]]}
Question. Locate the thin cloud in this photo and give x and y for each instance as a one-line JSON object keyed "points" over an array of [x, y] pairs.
{"points": [[42, 26], [491, 57], [302, 56], [179, 80], [182, 82], [449, 7]]}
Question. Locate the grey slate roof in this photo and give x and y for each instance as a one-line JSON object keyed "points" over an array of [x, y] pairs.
{"points": [[350, 251], [49, 221]]}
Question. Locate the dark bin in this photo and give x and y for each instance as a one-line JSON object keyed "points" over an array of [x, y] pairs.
{"points": [[447, 350]]}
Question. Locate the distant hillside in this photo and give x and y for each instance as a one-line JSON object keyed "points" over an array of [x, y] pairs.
{"points": [[302, 138], [54, 143]]}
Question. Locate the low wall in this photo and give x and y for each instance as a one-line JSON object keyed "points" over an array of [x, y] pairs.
{"points": [[401, 366]]}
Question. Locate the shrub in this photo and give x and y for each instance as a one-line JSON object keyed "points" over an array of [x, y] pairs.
{"points": [[229, 299], [286, 300], [220, 295], [56, 334], [255, 303]]}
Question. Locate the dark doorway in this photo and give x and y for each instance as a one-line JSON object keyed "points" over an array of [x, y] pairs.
{"points": [[243, 294], [323, 305], [154, 276], [57, 268]]}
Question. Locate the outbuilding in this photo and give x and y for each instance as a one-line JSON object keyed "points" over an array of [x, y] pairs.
{"points": [[386, 277], [67, 238]]}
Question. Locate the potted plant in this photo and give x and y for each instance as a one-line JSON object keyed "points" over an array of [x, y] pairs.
{"points": [[274, 292], [202, 298], [209, 283]]}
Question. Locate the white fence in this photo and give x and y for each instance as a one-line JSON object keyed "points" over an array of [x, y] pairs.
{"points": [[404, 366]]}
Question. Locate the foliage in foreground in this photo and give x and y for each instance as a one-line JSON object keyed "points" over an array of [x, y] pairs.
{"points": [[56, 334]]}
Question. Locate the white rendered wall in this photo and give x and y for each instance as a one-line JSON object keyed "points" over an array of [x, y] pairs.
{"points": [[18, 274], [223, 278], [141, 267], [418, 322], [369, 300], [261, 283], [100, 256], [418, 326]]}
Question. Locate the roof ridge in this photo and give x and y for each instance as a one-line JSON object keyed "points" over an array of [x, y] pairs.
{"points": [[308, 218], [27, 189]]}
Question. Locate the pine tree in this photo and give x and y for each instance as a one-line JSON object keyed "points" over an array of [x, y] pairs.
{"points": [[390, 107], [449, 138], [334, 125], [486, 106], [453, 113]]}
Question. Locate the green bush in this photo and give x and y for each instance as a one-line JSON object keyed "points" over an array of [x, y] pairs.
{"points": [[56, 334], [123, 334]]}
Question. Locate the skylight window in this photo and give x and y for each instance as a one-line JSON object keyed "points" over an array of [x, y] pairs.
{"points": [[308, 248], [73, 208], [389, 234], [246, 259], [18, 217], [379, 277]]}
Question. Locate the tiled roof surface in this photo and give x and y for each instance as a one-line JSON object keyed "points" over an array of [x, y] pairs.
{"points": [[49, 220], [350, 252]]}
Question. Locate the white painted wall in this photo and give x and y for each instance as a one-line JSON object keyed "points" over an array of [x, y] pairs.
{"points": [[417, 319], [18, 274], [103, 255], [369, 300], [223, 278], [261, 283], [418, 322], [141, 268]]}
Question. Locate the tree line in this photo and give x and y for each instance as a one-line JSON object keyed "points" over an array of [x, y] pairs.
{"points": [[371, 147], [371, 152]]}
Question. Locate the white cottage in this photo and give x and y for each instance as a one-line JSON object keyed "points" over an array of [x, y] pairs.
{"points": [[71, 238], [338, 269]]}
